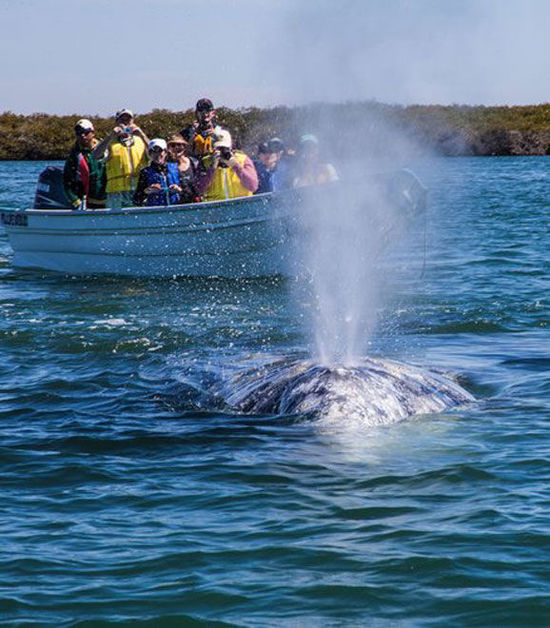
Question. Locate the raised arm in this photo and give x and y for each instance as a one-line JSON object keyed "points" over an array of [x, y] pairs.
{"points": [[205, 174], [99, 150], [136, 130]]}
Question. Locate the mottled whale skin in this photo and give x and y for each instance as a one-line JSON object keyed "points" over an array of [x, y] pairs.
{"points": [[374, 392]]}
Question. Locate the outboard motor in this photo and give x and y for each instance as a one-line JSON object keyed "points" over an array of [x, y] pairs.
{"points": [[50, 193]]}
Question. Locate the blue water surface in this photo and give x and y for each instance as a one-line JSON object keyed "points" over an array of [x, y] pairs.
{"points": [[128, 497]]}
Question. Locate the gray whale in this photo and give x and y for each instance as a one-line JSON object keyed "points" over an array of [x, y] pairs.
{"points": [[374, 392]]}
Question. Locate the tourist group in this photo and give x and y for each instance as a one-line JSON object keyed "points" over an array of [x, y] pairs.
{"points": [[200, 163]]}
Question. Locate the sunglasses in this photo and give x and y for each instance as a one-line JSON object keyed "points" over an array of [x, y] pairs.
{"points": [[176, 146], [82, 132], [157, 149]]}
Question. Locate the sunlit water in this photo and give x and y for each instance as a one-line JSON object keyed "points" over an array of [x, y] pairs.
{"points": [[128, 495]]}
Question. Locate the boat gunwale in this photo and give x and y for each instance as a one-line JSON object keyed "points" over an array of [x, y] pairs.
{"points": [[139, 210]]}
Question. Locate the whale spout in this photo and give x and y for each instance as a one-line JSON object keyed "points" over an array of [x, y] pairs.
{"points": [[374, 392]]}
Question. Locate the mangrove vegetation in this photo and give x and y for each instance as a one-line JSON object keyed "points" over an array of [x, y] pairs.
{"points": [[347, 128]]}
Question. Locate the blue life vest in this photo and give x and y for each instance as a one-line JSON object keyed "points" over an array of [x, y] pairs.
{"points": [[265, 178], [165, 196]]}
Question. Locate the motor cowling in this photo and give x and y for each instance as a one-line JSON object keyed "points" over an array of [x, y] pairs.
{"points": [[50, 193]]}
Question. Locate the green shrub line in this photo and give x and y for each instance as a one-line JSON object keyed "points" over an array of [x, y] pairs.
{"points": [[347, 127]]}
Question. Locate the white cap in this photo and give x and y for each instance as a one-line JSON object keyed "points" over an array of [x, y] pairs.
{"points": [[157, 143], [84, 125], [309, 138], [122, 112], [223, 139]]}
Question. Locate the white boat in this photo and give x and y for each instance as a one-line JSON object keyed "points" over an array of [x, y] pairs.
{"points": [[245, 237]]}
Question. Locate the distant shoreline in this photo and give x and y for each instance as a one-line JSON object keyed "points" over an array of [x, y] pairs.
{"points": [[347, 129]]}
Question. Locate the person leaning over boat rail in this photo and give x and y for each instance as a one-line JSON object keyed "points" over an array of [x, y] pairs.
{"points": [[84, 175], [188, 168], [227, 173], [124, 152], [310, 167], [159, 183]]}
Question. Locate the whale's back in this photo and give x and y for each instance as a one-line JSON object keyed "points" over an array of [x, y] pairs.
{"points": [[375, 392]]}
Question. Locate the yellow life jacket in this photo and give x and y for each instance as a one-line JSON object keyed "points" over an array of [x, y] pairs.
{"points": [[226, 183], [323, 173], [203, 145], [123, 165]]}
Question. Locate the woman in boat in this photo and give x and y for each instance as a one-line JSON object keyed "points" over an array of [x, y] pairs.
{"points": [[188, 167], [84, 175], [310, 168], [158, 184]]}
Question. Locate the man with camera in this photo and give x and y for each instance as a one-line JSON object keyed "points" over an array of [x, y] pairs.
{"points": [[200, 134], [227, 173], [124, 152]]}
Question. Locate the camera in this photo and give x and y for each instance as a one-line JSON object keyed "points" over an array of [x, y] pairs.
{"points": [[225, 153], [125, 132]]}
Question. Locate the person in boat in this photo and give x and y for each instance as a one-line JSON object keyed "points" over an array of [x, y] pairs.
{"points": [[84, 175], [188, 168], [124, 152], [283, 173], [158, 183], [265, 164], [310, 167], [200, 134], [227, 173]]}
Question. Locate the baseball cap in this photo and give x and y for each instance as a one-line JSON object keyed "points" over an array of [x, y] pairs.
{"points": [[223, 139], [84, 125], [276, 145], [122, 112], [157, 143], [309, 138], [204, 104]]}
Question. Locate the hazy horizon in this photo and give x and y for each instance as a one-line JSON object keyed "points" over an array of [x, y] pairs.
{"points": [[245, 107]]}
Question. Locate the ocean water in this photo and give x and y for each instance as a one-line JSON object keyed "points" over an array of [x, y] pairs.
{"points": [[130, 496]]}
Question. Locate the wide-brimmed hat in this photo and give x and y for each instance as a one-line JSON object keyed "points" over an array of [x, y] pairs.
{"points": [[177, 138]]}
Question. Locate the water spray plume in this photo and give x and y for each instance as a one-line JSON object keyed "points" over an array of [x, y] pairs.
{"points": [[346, 229]]}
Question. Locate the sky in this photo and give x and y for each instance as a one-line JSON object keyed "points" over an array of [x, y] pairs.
{"points": [[97, 56]]}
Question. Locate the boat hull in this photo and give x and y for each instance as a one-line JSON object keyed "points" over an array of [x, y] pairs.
{"points": [[255, 236], [239, 238]]}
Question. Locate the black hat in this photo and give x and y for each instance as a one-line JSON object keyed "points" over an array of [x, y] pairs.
{"points": [[204, 104], [263, 148]]}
